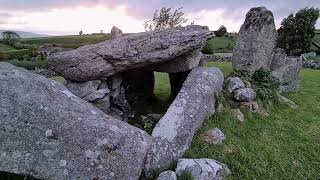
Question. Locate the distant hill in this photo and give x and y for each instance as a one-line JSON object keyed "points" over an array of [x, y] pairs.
{"points": [[24, 34]]}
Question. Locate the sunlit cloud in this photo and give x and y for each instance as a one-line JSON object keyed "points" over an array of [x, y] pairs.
{"points": [[72, 20]]}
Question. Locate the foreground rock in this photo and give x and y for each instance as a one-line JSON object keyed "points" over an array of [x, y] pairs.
{"points": [[202, 169], [234, 83], [49, 133], [256, 41], [194, 103], [167, 175], [245, 95], [213, 136], [133, 51]]}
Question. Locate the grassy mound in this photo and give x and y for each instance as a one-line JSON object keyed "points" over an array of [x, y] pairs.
{"points": [[4, 47]]}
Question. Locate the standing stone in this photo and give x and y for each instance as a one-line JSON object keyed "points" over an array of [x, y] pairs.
{"points": [[176, 82], [49, 133], [256, 41], [175, 130], [115, 32]]}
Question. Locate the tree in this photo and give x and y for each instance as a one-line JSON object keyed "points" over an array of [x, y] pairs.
{"points": [[81, 33], [10, 37], [296, 32], [221, 31], [165, 18]]}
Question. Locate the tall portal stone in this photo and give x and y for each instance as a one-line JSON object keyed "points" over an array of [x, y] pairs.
{"points": [[256, 41]]}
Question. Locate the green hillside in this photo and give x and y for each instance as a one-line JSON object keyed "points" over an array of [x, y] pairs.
{"points": [[4, 47]]}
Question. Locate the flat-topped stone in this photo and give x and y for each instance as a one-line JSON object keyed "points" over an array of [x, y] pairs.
{"points": [[104, 59]]}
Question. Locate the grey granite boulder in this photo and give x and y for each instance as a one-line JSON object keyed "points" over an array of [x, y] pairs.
{"points": [[256, 41], [101, 60], [49, 133], [202, 169], [167, 175], [234, 83], [213, 136], [287, 74], [245, 95], [175, 130], [115, 32]]}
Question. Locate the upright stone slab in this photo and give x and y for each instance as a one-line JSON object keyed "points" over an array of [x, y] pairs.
{"points": [[194, 103], [115, 32], [256, 41], [49, 133]]}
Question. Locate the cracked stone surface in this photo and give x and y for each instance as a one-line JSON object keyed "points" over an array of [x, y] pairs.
{"points": [[49, 133], [175, 130], [104, 59]]}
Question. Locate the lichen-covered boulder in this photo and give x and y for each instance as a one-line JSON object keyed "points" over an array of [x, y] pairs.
{"points": [[167, 175], [256, 41], [245, 95], [49, 133], [202, 169], [213, 136], [104, 59], [234, 83], [175, 130]]}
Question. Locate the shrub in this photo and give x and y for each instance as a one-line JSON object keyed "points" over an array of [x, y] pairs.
{"points": [[221, 31], [207, 49], [30, 65], [14, 54]]}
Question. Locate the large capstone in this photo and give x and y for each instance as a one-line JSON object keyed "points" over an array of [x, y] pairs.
{"points": [[256, 41], [101, 60], [194, 103], [48, 132]]}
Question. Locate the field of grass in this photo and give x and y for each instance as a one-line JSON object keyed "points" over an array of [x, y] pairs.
{"points": [[285, 145], [4, 47], [222, 43], [72, 41]]}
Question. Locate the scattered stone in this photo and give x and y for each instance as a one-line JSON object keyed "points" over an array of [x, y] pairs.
{"points": [[238, 114], [234, 83], [90, 144], [175, 130], [206, 169], [254, 108], [115, 32], [256, 41], [220, 108], [288, 102], [167, 175], [245, 95], [287, 73], [107, 58], [213, 136]]}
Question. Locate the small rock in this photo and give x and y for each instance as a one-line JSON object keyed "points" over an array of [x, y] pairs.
{"points": [[288, 102], [238, 114], [220, 108], [254, 108], [213, 136], [202, 169], [167, 175], [96, 95], [245, 95], [234, 83]]}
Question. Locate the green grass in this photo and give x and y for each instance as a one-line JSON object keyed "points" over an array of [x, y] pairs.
{"points": [[285, 145], [4, 47], [71, 41], [221, 44]]}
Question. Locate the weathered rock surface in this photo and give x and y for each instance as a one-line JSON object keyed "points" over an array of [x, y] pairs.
{"points": [[234, 83], [115, 32], [238, 114], [256, 41], [288, 102], [167, 175], [49, 133], [245, 95], [175, 130], [213, 136], [100, 60], [202, 169], [287, 72]]}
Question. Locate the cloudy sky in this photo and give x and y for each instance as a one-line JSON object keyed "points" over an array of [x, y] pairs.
{"points": [[57, 17]]}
